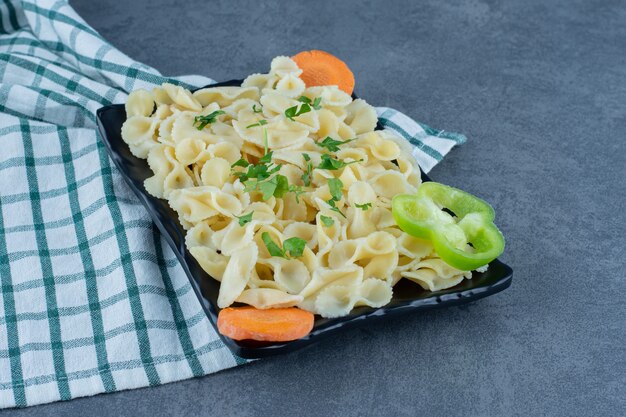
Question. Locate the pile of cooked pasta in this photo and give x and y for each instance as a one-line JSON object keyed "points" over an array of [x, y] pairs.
{"points": [[285, 191]]}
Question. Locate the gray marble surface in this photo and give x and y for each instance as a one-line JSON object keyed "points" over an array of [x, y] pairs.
{"points": [[539, 87]]}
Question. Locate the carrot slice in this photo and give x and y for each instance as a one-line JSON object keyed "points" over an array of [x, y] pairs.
{"points": [[322, 68], [271, 325]]}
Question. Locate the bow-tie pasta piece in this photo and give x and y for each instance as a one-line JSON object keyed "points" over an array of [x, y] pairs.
{"points": [[306, 231], [191, 150], [183, 128], [361, 224], [413, 247], [259, 81], [283, 66], [181, 98], [331, 96], [361, 116], [179, 178], [274, 104], [390, 183], [380, 265], [238, 105], [140, 103], [429, 280], [233, 237], [200, 235], [225, 96], [200, 203], [374, 293], [434, 274], [236, 275], [291, 275], [161, 160], [349, 275], [268, 298], [379, 243], [380, 149], [139, 133], [192, 206], [215, 172], [212, 262], [290, 86], [335, 301], [331, 124], [161, 97], [224, 150]]}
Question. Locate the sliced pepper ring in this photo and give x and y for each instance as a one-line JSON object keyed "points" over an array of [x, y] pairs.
{"points": [[422, 215]]}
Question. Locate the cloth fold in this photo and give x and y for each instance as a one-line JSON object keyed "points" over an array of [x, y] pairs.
{"points": [[92, 299]]}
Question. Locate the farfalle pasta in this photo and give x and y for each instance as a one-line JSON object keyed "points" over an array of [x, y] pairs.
{"points": [[285, 191]]}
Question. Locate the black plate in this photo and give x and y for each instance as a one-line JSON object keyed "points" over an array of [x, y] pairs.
{"points": [[407, 296]]}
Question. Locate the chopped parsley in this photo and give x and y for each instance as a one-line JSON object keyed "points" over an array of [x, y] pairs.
{"points": [[271, 246], [292, 247], [295, 246], [260, 123], [315, 103], [202, 121], [364, 207], [296, 111], [335, 186], [240, 163], [334, 208], [328, 221], [306, 177], [246, 218], [331, 164], [254, 109], [267, 158], [258, 172], [276, 186], [297, 190], [260, 177], [331, 144]]}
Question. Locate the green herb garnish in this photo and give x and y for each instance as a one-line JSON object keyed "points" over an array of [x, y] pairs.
{"points": [[294, 246], [271, 246], [315, 103], [202, 121], [335, 186], [259, 172], [267, 158], [254, 109], [294, 111], [240, 163], [331, 164], [334, 208], [306, 177], [246, 218], [331, 144], [260, 123], [297, 190], [328, 221], [364, 207]]}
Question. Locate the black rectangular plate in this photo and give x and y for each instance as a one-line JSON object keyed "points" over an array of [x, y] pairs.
{"points": [[407, 296]]}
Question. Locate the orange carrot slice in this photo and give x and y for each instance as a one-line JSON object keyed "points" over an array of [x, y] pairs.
{"points": [[322, 68], [271, 325]]}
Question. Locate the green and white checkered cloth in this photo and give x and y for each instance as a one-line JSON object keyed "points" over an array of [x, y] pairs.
{"points": [[92, 298]]}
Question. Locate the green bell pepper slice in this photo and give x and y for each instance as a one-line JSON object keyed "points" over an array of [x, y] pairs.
{"points": [[422, 215]]}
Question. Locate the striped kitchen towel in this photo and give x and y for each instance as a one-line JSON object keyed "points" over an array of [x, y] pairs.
{"points": [[92, 300]]}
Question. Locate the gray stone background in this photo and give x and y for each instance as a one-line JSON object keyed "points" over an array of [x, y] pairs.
{"points": [[539, 87]]}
